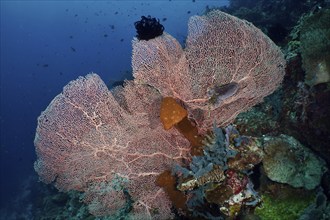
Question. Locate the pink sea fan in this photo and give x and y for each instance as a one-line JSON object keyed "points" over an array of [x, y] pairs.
{"points": [[89, 138], [220, 50]]}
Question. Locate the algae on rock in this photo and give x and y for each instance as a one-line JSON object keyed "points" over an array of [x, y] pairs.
{"points": [[288, 161]]}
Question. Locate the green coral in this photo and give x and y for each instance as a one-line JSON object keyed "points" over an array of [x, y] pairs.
{"points": [[288, 207]]}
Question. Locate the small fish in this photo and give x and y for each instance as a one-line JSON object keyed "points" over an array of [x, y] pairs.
{"points": [[73, 50], [218, 93]]}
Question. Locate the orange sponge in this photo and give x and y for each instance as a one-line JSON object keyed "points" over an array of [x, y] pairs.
{"points": [[171, 112]]}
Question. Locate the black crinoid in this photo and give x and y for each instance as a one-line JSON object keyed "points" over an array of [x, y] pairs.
{"points": [[148, 28]]}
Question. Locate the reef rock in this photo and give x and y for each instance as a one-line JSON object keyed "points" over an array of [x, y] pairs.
{"points": [[288, 161]]}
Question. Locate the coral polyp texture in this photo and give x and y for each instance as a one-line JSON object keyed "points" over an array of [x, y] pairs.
{"points": [[221, 51], [112, 145]]}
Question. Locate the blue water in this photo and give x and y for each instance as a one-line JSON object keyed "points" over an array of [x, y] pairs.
{"points": [[45, 44]]}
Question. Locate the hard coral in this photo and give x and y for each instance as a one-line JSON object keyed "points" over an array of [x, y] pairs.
{"points": [[286, 160]]}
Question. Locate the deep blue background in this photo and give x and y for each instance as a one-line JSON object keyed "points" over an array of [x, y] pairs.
{"points": [[38, 39]]}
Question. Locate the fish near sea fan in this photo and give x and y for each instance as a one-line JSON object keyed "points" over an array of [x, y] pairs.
{"points": [[221, 51]]}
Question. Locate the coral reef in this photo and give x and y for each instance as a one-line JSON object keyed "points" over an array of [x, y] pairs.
{"points": [[220, 175], [301, 111], [118, 147]]}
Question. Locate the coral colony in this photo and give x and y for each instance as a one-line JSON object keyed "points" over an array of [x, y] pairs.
{"points": [[154, 147]]}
